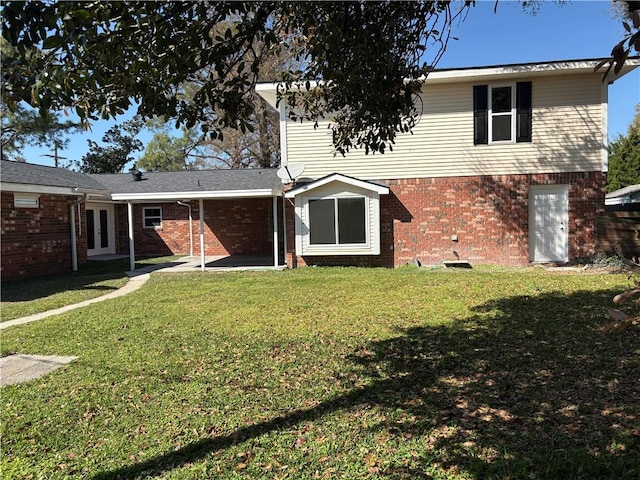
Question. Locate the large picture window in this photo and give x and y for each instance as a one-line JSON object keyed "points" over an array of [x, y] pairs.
{"points": [[337, 221]]}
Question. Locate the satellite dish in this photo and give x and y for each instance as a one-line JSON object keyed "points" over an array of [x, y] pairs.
{"points": [[291, 171]]}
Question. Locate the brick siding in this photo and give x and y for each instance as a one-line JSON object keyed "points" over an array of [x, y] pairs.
{"points": [[489, 215], [37, 241], [232, 227]]}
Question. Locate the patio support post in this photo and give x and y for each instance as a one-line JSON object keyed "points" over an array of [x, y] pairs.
{"points": [[275, 232], [201, 208], [132, 253], [74, 239], [284, 228]]}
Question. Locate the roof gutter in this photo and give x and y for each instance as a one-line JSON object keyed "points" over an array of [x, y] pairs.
{"points": [[175, 196]]}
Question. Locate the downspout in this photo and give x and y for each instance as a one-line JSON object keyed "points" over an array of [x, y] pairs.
{"points": [[72, 221], [276, 249], [202, 249], [188, 205], [284, 228]]}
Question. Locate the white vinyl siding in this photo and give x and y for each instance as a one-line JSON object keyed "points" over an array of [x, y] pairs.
{"points": [[566, 125]]}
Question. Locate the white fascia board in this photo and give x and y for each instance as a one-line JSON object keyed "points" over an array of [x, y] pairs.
{"points": [[26, 188], [223, 194], [269, 91], [336, 177]]}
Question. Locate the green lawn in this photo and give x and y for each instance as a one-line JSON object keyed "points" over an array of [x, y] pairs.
{"points": [[26, 297], [333, 373]]}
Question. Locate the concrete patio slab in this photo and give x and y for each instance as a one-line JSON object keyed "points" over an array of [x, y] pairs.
{"points": [[22, 368]]}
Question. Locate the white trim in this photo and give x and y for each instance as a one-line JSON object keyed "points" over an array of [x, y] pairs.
{"points": [[26, 200], [111, 229], [311, 249], [337, 177], [202, 249], [132, 253], [275, 232], [195, 195], [268, 91], [284, 158], [25, 188], [604, 102], [512, 113], [145, 217]]}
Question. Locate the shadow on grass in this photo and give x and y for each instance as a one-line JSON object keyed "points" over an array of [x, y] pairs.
{"points": [[526, 387], [84, 279], [42, 287]]}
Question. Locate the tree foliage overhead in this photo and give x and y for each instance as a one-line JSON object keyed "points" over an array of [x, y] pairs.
{"points": [[629, 13], [120, 144], [624, 157], [102, 57], [25, 126]]}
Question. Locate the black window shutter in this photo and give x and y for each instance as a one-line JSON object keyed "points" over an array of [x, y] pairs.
{"points": [[480, 114], [523, 112]]}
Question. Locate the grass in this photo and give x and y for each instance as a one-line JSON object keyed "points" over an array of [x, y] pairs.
{"points": [[27, 297], [333, 373]]}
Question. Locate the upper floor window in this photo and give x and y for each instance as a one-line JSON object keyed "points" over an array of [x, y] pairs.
{"points": [[152, 217], [502, 113]]}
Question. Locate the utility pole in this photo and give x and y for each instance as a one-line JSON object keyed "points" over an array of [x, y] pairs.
{"points": [[55, 155]]}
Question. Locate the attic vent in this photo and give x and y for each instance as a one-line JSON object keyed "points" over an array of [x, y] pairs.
{"points": [[137, 174], [26, 201]]}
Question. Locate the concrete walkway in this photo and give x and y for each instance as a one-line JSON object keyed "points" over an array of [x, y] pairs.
{"points": [[136, 281], [21, 368]]}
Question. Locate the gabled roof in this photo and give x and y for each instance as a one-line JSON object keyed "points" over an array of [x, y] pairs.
{"points": [[186, 184], [340, 178], [494, 72], [27, 177]]}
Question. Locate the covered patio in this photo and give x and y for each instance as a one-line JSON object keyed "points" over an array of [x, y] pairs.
{"points": [[219, 219]]}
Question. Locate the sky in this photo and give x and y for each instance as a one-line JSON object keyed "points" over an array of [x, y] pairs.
{"points": [[583, 29]]}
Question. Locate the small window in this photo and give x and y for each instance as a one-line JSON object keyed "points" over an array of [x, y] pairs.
{"points": [[337, 221], [26, 201], [152, 217], [501, 114]]}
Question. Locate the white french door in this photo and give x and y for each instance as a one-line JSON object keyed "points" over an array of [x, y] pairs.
{"points": [[100, 229]]}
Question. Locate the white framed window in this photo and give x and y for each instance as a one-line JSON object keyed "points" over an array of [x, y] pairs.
{"points": [[338, 221], [25, 200], [337, 215], [502, 113], [152, 217]]}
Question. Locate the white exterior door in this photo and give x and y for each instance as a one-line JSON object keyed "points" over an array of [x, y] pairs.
{"points": [[100, 229], [549, 223]]}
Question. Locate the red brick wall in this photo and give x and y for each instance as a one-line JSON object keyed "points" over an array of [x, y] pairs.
{"points": [[37, 241], [232, 227], [489, 215]]}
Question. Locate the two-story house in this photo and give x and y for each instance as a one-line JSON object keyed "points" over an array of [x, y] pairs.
{"points": [[506, 165]]}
